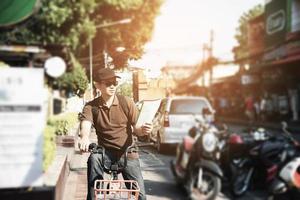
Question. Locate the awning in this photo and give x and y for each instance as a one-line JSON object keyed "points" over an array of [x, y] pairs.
{"points": [[22, 48], [15, 11], [289, 59]]}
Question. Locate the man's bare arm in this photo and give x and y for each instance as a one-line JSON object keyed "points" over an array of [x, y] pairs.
{"points": [[85, 129]]}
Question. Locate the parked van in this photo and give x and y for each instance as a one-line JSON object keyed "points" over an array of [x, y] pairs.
{"points": [[175, 116]]}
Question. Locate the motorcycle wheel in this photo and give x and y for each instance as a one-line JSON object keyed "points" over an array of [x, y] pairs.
{"points": [[211, 186], [239, 187]]}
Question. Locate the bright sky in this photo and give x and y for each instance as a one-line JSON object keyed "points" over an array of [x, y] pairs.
{"points": [[185, 25]]}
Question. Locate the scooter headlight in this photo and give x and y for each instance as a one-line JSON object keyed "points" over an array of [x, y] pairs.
{"points": [[209, 142]]}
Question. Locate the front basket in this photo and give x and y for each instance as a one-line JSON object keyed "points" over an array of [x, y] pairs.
{"points": [[116, 189]]}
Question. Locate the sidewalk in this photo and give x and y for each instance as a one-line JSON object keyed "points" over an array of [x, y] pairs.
{"points": [[76, 183], [293, 126]]}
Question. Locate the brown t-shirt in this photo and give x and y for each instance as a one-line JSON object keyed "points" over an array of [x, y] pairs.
{"points": [[111, 123]]}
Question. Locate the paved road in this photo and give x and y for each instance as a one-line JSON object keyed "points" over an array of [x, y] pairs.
{"points": [[159, 181]]}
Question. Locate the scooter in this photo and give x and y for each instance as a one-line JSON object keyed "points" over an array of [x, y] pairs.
{"points": [[196, 165], [114, 188], [288, 177], [274, 160], [244, 150]]}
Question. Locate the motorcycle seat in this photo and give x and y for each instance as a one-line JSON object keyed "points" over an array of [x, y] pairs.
{"points": [[188, 143]]}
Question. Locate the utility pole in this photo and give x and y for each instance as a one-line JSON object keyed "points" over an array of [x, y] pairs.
{"points": [[105, 55], [91, 68], [207, 57], [123, 21], [204, 49], [210, 56]]}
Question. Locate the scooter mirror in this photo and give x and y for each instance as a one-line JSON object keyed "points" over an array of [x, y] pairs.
{"points": [[225, 127], [206, 111], [284, 125]]}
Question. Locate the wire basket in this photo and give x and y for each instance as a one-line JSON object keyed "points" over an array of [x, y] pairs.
{"points": [[116, 189]]}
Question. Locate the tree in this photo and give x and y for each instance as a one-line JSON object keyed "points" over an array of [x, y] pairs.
{"points": [[64, 22], [74, 81], [72, 23], [125, 89], [242, 51], [132, 36]]}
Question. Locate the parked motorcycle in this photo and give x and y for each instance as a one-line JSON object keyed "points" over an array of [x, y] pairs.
{"points": [[242, 160], [196, 165], [272, 160], [289, 174]]}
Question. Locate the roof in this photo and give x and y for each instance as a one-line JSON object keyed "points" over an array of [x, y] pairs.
{"points": [[19, 55]]}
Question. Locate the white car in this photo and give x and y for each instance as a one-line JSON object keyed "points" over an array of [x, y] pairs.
{"points": [[175, 116]]}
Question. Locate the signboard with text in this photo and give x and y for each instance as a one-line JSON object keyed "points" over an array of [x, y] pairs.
{"points": [[295, 18], [22, 119], [248, 79], [276, 20]]}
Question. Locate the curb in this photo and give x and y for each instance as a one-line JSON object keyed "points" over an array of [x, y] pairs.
{"points": [[56, 176]]}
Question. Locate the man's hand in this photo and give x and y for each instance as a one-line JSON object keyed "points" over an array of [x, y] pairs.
{"points": [[85, 129], [84, 143], [146, 128]]}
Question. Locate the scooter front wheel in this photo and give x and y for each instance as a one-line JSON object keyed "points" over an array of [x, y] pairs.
{"points": [[241, 182], [209, 188]]}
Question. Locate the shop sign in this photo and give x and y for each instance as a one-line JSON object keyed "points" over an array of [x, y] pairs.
{"points": [[22, 120], [275, 53], [276, 22], [247, 79], [295, 17]]}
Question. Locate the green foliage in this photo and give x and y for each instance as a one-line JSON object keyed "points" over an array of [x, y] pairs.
{"points": [[72, 23], [56, 125], [63, 123], [242, 31], [64, 22], [60, 126], [75, 81], [125, 89], [132, 36], [49, 146]]}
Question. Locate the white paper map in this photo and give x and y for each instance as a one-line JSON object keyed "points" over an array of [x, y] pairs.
{"points": [[147, 112]]}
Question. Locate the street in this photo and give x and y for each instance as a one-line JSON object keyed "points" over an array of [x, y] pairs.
{"points": [[160, 183]]}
